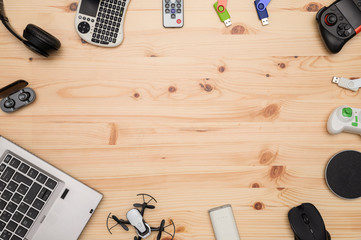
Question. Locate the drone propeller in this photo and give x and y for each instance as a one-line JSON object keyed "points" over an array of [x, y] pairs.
{"points": [[121, 222], [145, 205], [161, 229]]}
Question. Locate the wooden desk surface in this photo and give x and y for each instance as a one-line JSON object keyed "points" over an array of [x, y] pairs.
{"points": [[198, 117]]}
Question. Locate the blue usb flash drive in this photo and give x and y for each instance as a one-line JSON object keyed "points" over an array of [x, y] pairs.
{"points": [[261, 8]]}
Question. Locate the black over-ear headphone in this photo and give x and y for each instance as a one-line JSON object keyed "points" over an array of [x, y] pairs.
{"points": [[36, 39]]}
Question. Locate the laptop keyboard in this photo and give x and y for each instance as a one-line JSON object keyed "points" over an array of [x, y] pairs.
{"points": [[24, 192]]}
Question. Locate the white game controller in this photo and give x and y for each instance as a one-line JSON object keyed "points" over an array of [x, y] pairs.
{"points": [[344, 119]]}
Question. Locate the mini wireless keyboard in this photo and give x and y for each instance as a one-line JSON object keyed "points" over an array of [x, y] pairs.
{"points": [[100, 22]]}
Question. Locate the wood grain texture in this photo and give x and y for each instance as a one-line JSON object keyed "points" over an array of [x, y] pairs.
{"points": [[198, 117]]}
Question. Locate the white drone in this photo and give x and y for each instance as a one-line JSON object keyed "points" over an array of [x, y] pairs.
{"points": [[135, 218]]}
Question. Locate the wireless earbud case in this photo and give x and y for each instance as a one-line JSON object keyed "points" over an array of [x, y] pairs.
{"points": [[14, 93]]}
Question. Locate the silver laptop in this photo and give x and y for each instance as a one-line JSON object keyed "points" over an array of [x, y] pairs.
{"points": [[38, 201]]}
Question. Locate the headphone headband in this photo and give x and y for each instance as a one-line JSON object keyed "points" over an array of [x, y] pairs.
{"points": [[6, 23], [2, 11]]}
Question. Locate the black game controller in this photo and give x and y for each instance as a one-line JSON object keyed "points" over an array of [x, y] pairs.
{"points": [[339, 22], [16, 96]]}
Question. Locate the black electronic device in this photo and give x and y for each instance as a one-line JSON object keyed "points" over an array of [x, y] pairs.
{"points": [[307, 223], [15, 96], [343, 174], [135, 218], [339, 22], [35, 38]]}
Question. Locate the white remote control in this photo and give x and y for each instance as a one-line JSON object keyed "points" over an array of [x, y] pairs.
{"points": [[173, 13], [344, 119], [100, 22], [224, 224]]}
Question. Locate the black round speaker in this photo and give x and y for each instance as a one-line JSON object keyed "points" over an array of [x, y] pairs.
{"points": [[343, 174]]}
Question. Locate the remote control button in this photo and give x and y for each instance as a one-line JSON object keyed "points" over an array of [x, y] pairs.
{"points": [[179, 1], [344, 30], [9, 103], [179, 6], [167, 11], [173, 10], [179, 11], [347, 112], [83, 27], [179, 21], [80, 17], [167, 1], [167, 5], [330, 19], [173, 5]]}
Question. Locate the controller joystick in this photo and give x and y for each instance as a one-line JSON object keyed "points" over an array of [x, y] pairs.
{"points": [[344, 119], [339, 22], [331, 19]]}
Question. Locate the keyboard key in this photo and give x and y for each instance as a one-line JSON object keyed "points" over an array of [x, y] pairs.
{"points": [[12, 186], [17, 217], [15, 163], [24, 168], [32, 193], [2, 167], [2, 204], [33, 173], [17, 198], [11, 207], [44, 194], [7, 174], [6, 195], [7, 159], [14, 237], [2, 225], [11, 226], [38, 204], [21, 231], [5, 216], [41, 178], [23, 208], [23, 189], [2, 185], [6, 235], [20, 178], [32, 213], [27, 222]]}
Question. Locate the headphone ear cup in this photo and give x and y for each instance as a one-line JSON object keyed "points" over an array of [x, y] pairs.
{"points": [[40, 41]]}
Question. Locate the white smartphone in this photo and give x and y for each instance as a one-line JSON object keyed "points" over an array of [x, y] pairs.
{"points": [[223, 222]]}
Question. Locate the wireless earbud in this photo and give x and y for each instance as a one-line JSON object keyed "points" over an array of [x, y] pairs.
{"points": [[36, 39], [24, 96], [9, 103]]}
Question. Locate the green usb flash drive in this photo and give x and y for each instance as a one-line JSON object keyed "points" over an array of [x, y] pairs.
{"points": [[223, 16]]}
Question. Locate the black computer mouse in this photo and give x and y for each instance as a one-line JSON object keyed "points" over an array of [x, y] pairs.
{"points": [[307, 223]]}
